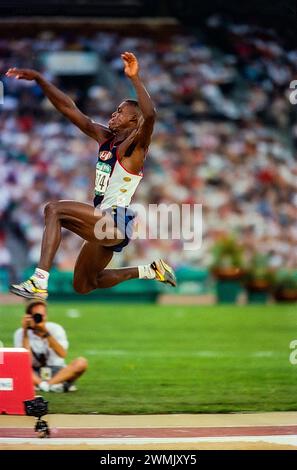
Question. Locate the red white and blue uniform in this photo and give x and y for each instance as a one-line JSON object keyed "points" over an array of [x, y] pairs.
{"points": [[114, 188]]}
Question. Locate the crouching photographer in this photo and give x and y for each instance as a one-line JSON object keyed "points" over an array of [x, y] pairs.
{"points": [[48, 344]]}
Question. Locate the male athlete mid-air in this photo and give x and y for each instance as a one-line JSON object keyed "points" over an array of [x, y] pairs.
{"points": [[107, 228]]}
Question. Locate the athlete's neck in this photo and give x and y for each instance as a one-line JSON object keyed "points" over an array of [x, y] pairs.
{"points": [[122, 135]]}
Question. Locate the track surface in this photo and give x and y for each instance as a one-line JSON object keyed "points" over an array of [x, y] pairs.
{"points": [[232, 431]]}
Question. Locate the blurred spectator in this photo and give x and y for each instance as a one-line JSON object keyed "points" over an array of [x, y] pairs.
{"points": [[5, 258]]}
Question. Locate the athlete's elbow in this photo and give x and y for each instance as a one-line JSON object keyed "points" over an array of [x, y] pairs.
{"points": [[51, 209], [151, 115]]}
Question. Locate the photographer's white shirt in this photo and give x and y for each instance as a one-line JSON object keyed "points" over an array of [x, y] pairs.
{"points": [[40, 345]]}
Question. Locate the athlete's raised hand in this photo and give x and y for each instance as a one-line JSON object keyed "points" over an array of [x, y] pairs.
{"points": [[26, 74], [131, 66]]}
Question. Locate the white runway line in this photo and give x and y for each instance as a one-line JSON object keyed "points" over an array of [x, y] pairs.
{"points": [[287, 440], [174, 354]]}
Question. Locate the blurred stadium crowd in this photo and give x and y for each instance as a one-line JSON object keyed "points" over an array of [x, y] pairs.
{"points": [[225, 137]]}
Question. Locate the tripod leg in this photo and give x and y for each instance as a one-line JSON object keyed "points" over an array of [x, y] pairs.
{"points": [[41, 428]]}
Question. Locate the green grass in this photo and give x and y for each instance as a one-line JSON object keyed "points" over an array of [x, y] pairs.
{"points": [[174, 359]]}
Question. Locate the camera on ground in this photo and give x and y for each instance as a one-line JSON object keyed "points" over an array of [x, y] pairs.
{"points": [[38, 407]]}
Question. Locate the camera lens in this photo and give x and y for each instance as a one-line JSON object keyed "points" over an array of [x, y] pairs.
{"points": [[37, 317]]}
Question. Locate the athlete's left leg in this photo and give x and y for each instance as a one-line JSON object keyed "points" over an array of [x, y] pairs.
{"points": [[79, 218]]}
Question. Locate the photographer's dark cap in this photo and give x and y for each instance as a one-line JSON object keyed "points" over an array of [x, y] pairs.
{"points": [[33, 302]]}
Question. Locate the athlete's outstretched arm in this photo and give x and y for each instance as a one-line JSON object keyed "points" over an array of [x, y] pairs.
{"points": [[144, 100], [63, 103]]}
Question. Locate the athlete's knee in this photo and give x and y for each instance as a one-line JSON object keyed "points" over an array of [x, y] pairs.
{"points": [[82, 286], [51, 209]]}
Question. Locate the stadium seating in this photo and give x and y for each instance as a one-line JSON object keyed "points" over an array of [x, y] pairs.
{"points": [[224, 137]]}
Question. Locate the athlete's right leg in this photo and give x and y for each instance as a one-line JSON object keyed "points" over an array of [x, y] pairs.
{"points": [[90, 272]]}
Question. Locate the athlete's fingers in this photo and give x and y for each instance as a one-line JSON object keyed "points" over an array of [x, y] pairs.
{"points": [[128, 56], [11, 71], [130, 59], [131, 55]]}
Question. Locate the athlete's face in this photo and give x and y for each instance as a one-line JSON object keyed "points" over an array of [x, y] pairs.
{"points": [[124, 117]]}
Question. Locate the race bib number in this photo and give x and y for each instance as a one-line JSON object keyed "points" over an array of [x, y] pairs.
{"points": [[103, 171]]}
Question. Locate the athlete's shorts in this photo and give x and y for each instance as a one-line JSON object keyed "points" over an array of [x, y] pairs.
{"points": [[123, 218]]}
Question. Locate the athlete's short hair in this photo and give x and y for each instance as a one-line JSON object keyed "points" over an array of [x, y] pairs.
{"points": [[133, 103]]}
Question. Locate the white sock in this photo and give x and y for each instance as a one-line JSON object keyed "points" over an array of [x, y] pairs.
{"points": [[41, 277], [146, 272]]}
